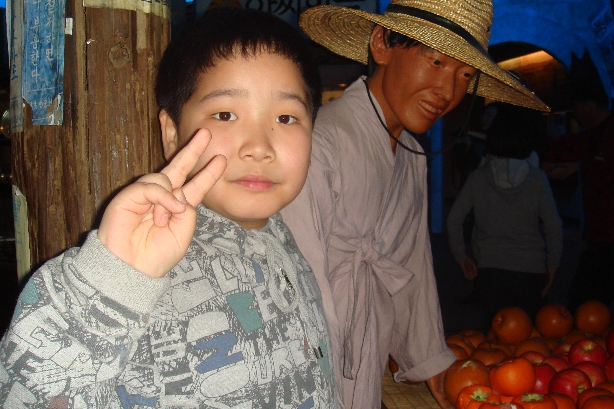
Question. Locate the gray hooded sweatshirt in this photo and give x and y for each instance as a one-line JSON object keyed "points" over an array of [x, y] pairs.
{"points": [[517, 226]]}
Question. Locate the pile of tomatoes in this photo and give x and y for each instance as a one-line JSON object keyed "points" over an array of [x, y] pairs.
{"points": [[560, 361]]}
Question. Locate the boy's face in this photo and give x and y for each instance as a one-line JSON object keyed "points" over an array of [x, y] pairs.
{"points": [[258, 113], [418, 85]]}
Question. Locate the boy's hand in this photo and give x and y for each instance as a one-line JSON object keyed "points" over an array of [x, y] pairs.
{"points": [[150, 223]]}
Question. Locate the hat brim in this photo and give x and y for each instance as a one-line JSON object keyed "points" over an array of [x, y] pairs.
{"points": [[346, 31]]}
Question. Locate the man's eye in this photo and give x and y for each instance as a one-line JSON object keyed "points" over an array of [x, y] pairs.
{"points": [[436, 62], [286, 119], [225, 116]]}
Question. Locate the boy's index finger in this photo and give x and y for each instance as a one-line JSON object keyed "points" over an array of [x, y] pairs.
{"points": [[200, 184], [186, 159]]}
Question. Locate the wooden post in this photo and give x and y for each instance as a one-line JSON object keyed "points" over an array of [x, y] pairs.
{"points": [[110, 132]]}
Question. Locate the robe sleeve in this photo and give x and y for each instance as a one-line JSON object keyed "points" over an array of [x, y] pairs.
{"points": [[418, 342]]}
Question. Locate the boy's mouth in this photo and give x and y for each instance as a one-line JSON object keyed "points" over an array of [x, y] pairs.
{"points": [[255, 182]]}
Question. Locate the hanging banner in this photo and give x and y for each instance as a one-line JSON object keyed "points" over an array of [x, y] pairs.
{"points": [[43, 60], [14, 30], [603, 27], [159, 8]]}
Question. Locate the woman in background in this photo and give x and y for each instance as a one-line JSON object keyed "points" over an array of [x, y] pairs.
{"points": [[517, 238]]}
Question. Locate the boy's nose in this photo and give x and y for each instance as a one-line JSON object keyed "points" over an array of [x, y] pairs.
{"points": [[257, 145]]}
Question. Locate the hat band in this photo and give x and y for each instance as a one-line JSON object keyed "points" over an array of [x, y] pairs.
{"points": [[440, 21]]}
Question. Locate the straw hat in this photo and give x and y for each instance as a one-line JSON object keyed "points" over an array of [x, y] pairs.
{"points": [[457, 28]]}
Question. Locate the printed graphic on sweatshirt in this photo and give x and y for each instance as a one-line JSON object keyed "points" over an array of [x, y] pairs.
{"points": [[241, 326]]}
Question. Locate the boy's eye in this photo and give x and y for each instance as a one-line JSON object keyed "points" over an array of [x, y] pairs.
{"points": [[286, 119], [225, 116]]}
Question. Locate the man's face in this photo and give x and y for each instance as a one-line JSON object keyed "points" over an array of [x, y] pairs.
{"points": [[258, 113], [419, 85]]}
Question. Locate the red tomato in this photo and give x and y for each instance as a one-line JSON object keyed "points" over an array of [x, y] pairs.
{"points": [[593, 317], [535, 401], [511, 325], [554, 321], [586, 394], [513, 378], [475, 337], [506, 405], [489, 356], [563, 401], [599, 402], [464, 373], [474, 395]]}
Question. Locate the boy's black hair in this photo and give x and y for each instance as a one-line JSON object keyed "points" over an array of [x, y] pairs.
{"points": [[227, 33], [513, 132]]}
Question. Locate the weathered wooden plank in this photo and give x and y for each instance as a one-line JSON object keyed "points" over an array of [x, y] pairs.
{"points": [[110, 133]]}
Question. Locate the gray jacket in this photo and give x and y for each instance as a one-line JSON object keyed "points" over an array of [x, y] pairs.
{"points": [[517, 226], [237, 323]]}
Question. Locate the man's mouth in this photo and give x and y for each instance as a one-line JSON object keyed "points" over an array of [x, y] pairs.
{"points": [[430, 108]]}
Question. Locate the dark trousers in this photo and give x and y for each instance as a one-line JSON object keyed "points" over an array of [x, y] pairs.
{"points": [[500, 288], [594, 277]]}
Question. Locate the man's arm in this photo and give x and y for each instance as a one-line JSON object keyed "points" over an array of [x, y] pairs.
{"points": [[423, 354], [435, 385]]}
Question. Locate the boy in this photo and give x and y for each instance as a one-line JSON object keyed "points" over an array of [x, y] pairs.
{"points": [[192, 294]]}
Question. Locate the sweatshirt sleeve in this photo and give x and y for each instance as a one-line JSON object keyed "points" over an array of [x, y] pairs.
{"points": [[553, 230], [461, 207], [76, 324]]}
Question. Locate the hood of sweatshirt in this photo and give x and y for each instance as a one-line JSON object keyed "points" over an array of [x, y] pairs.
{"points": [[508, 173]]}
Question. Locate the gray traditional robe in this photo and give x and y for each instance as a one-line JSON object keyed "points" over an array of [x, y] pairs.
{"points": [[361, 222]]}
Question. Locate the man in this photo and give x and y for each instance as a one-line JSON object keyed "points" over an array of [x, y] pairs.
{"points": [[361, 219], [593, 148]]}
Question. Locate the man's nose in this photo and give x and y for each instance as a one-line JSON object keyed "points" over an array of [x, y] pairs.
{"points": [[446, 86]]}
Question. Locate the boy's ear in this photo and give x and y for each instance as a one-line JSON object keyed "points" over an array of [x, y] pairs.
{"points": [[377, 44], [170, 136]]}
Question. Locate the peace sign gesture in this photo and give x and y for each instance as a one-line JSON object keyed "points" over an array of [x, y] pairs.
{"points": [[150, 223]]}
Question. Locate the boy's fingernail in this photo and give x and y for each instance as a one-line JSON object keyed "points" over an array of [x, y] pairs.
{"points": [[181, 199], [165, 218]]}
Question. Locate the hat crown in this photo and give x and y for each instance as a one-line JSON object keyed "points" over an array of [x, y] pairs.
{"points": [[475, 16]]}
